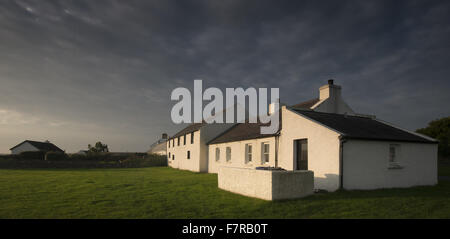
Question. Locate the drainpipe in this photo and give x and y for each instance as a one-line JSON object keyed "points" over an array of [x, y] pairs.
{"points": [[342, 140], [277, 138]]}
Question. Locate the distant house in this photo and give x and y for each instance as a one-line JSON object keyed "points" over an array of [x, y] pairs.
{"points": [[83, 152], [344, 149], [29, 145], [159, 147]]}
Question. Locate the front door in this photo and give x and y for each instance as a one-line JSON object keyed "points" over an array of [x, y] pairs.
{"points": [[301, 151]]}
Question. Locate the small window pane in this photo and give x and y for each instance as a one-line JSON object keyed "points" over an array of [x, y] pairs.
{"points": [[248, 151], [265, 153], [217, 154], [392, 153], [228, 154]]}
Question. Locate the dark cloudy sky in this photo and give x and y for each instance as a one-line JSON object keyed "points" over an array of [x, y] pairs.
{"points": [[76, 72]]}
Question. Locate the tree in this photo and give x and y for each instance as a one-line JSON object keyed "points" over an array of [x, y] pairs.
{"points": [[98, 148], [440, 130]]}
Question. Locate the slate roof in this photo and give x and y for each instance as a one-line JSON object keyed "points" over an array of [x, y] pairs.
{"points": [[306, 104], [189, 129], [242, 131], [357, 127], [42, 146]]}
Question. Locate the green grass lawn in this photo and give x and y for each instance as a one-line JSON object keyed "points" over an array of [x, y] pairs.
{"points": [[162, 192]]}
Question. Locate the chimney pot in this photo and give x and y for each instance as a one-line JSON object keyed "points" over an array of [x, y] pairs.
{"points": [[330, 82]]}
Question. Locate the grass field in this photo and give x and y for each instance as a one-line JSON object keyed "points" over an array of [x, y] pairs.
{"points": [[162, 192]]}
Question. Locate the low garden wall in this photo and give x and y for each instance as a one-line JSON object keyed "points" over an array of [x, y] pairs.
{"points": [[266, 184]]}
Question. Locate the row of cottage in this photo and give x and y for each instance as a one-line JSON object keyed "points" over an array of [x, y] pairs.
{"points": [[343, 149]]}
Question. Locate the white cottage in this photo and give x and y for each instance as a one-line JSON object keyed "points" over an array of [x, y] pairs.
{"points": [[30, 145], [343, 149], [159, 147], [188, 148]]}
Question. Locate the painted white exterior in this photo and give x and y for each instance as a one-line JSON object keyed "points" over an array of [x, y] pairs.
{"points": [[264, 184], [366, 165], [198, 161], [323, 148], [23, 148], [238, 158], [160, 149], [177, 154]]}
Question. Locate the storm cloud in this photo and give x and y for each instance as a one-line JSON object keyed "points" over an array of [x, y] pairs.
{"points": [[76, 72]]}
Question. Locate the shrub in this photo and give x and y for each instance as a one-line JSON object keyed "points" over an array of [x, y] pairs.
{"points": [[9, 156], [32, 155], [55, 156], [96, 156], [77, 157], [440, 130]]}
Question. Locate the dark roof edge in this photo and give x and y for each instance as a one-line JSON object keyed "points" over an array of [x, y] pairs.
{"points": [[391, 140], [173, 137], [19, 145], [229, 141], [32, 141], [425, 139], [224, 132], [295, 111]]}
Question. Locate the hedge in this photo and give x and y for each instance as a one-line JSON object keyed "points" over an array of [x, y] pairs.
{"points": [[32, 155], [60, 160], [55, 156]]}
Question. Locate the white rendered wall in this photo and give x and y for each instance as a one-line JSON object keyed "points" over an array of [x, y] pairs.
{"points": [[160, 149], [323, 148], [238, 154], [209, 132], [265, 184], [24, 148], [198, 161], [180, 152], [366, 165]]}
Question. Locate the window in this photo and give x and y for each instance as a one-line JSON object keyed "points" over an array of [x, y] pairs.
{"points": [[173, 156], [192, 137], [169, 154], [184, 140], [391, 153], [188, 154], [394, 155], [217, 154], [228, 151], [179, 140], [168, 144], [265, 152], [173, 142], [248, 153]]}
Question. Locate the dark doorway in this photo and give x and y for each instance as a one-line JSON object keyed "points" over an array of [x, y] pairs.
{"points": [[301, 154]]}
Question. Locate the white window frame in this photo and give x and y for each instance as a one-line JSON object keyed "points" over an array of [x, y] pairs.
{"points": [[393, 156], [264, 154], [228, 154], [248, 153], [217, 154]]}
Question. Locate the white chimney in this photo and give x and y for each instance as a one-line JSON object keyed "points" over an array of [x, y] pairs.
{"points": [[330, 90], [331, 100], [272, 106]]}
